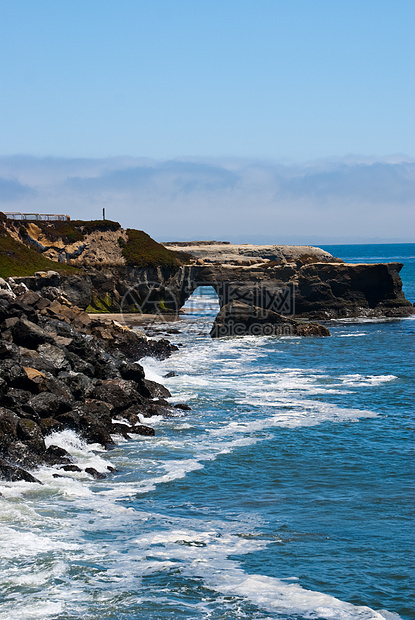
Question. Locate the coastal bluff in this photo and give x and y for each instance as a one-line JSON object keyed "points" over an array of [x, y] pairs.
{"points": [[319, 285], [102, 267]]}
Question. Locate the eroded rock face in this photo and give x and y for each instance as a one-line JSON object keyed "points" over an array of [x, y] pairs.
{"points": [[240, 319], [320, 286]]}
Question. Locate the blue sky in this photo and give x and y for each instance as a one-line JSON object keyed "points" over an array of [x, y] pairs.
{"points": [[268, 82]]}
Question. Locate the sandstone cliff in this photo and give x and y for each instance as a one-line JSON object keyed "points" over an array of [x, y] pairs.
{"points": [[115, 270]]}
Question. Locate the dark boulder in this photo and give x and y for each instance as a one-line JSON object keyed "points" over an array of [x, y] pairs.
{"points": [[55, 356], [119, 393], [182, 406], [142, 429], [25, 453], [80, 365], [28, 334], [71, 467], [13, 473], [55, 455], [83, 419], [14, 374], [8, 428], [77, 383], [50, 425], [9, 350], [94, 473], [31, 433], [48, 405], [240, 319], [156, 390]]}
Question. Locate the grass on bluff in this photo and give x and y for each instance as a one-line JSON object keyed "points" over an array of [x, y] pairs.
{"points": [[18, 260], [142, 251], [72, 230]]}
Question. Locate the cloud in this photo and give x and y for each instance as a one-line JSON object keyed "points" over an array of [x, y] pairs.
{"points": [[11, 191], [377, 182], [237, 199]]}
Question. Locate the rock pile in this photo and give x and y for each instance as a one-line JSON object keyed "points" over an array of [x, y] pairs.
{"points": [[61, 370]]}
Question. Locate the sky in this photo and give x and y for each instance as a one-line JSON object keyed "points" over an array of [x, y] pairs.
{"points": [[282, 119]]}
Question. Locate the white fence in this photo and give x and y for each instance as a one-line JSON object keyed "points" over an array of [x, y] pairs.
{"points": [[14, 215]]}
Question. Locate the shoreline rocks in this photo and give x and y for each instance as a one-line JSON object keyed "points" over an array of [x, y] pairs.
{"points": [[61, 370]]}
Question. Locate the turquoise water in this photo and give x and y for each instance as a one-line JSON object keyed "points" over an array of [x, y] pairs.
{"points": [[286, 492]]}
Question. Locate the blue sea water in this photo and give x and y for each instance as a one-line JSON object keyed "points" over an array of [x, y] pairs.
{"points": [[286, 492]]}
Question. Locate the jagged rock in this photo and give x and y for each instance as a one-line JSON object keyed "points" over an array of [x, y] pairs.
{"points": [[182, 406], [9, 350], [132, 371], [119, 393], [58, 388], [56, 455], [8, 428], [33, 359], [83, 418], [13, 473], [15, 375], [241, 319], [29, 298], [29, 432], [77, 383], [28, 334], [50, 425], [16, 397], [94, 473], [34, 380], [159, 409], [48, 405], [71, 468], [24, 454], [142, 429], [79, 365], [121, 429], [156, 390], [55, 356]]}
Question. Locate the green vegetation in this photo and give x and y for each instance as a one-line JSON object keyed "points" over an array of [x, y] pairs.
{"points": [[142, 251], [56, 230], [100, 305], [18, 260], [91, 226]]}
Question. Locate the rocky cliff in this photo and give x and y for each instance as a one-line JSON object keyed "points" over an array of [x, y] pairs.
{"points": [[117, 270]]}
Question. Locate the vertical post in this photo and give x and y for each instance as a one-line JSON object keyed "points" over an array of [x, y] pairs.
{"points": [[103, 214]]}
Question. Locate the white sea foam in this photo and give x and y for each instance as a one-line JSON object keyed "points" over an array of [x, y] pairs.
{"points": [[354, 335], [363, 380], [206, 555], [40, 609], [84, 453]]}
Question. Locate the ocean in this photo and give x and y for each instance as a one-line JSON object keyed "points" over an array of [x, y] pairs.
{"points": [[287, 492]]}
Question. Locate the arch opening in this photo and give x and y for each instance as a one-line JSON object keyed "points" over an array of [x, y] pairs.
{"points": [[204, 301]]}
